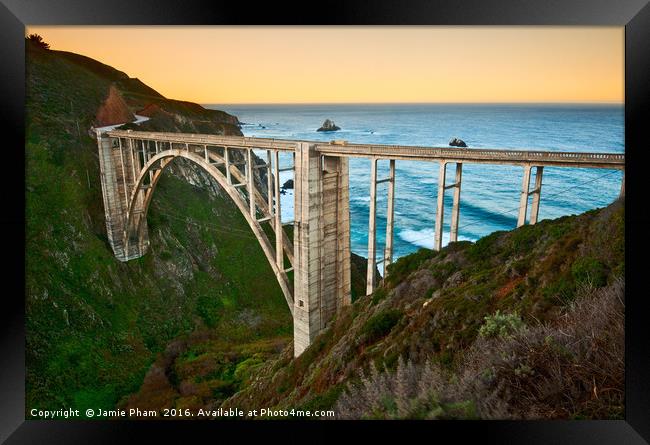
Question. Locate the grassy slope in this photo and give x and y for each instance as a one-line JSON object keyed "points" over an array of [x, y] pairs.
{"points": [[94, 325], [434, 303]]}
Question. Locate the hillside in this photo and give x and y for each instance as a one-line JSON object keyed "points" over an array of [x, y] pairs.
{"points": [[520, 324], [94, 326], [143, 100]]}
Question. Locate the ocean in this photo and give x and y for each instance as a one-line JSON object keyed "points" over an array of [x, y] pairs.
{"points": [[489, 194]]}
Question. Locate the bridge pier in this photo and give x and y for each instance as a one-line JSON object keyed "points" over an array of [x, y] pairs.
{"points": [[390, 217], [226, 155], [523, 199], [277, 213], [525, 193], [440, 208], [537, 192], [321, 242], [372, 229], [269, 183], [118, 176], [387, 257], [455, 209]]}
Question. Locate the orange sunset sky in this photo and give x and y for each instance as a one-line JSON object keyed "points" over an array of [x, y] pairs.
{"points": [[227, 65]]}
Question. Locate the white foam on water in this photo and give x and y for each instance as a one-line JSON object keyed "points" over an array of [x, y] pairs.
{"points": [[425, 237], [360, 198], [422, 238]]}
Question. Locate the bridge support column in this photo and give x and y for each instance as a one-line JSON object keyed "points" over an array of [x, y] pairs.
{"points": [[372, 230], [321, 242], [250, 181], [117, 171], [226, 154], [277, 213], [390, 216], [455, 210], [269, 183], [523, 200], [440, 209], [537, 192]]}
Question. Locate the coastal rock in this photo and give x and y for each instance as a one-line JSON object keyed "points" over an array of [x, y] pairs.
{"points": [[328, 125], [287, 185], [455, 142]]}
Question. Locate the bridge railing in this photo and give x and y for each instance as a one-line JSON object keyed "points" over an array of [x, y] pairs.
{"points": [[611, 160], [342, 148], [208, 139]]}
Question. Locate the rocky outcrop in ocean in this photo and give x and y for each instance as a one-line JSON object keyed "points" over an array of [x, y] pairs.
{"points": [[455, 142], [328, 125]]}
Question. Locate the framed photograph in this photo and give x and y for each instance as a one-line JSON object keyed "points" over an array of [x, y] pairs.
{"points": [[380, 219]]}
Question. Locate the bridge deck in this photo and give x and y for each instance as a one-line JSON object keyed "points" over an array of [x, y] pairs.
{"points": [[477, 155], [208, 139], [403, 152]]}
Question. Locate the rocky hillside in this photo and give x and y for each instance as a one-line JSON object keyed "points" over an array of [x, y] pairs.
{"points": [[520, 324], [94, 325]]}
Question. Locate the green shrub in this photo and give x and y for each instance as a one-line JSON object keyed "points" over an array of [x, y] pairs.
{"points": [[562, 290], [326, 400], [589, 270], [209, 309], [381, 324], [400, 269], [524, 238], [485, 247], [379, 294], [501, 325], [442, 271], [561, 227]]}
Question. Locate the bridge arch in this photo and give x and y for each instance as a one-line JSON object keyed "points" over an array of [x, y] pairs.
{"points": [[141, 196]]}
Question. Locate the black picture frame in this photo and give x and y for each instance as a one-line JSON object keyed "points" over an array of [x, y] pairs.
{"points": [[16, 14]]}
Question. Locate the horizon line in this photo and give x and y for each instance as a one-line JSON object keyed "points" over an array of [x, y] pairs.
{"points": [[420, 103]]}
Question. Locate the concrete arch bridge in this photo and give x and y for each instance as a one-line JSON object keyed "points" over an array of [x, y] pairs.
{"points": [[131, 163]]}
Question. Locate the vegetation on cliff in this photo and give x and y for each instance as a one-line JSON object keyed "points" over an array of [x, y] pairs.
{"points": [[520, 324]]}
